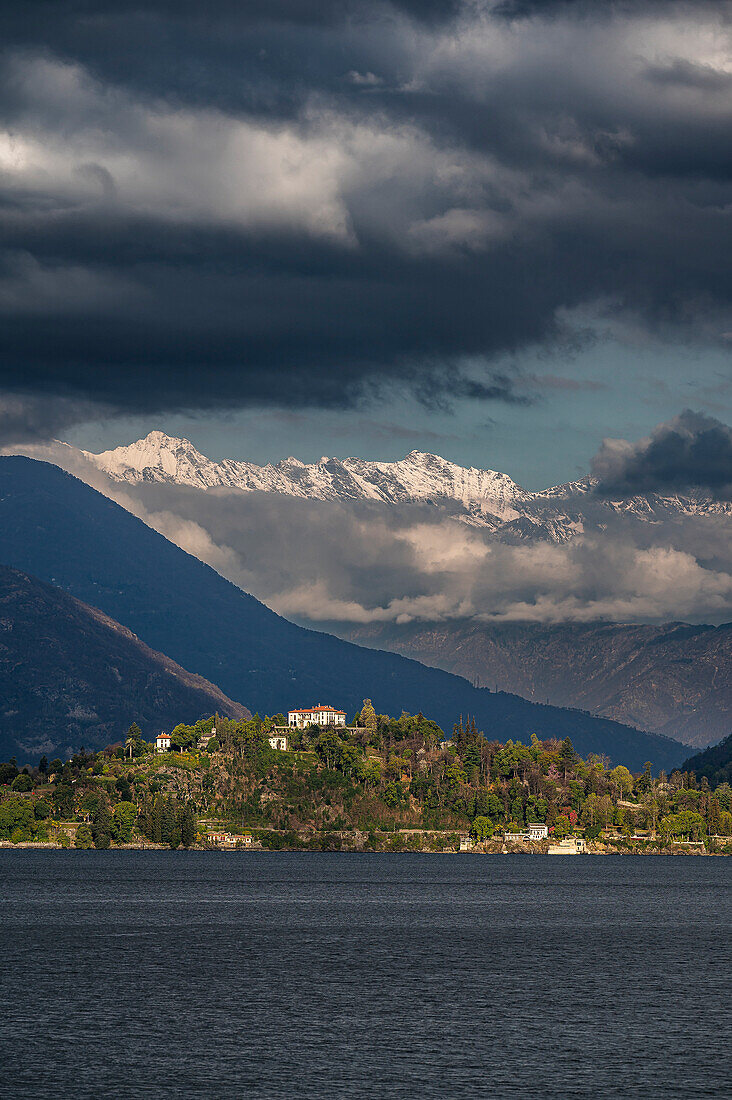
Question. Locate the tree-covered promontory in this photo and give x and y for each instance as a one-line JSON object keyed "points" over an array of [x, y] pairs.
{"points": [[383, 783]]}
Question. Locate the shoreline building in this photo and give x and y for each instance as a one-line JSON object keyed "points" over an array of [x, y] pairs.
{"points": [[569, 846], [317, 715]]}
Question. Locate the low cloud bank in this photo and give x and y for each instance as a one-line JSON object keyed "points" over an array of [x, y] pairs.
{"points": [[320, 561], [362, 562]]}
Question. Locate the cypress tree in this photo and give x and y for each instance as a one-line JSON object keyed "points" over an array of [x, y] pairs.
{"points": [[167, 824], [101, 825], [157, 820]]}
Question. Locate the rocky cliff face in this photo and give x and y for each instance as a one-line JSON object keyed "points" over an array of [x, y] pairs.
{"points": [[71, 676], [481, 498]]}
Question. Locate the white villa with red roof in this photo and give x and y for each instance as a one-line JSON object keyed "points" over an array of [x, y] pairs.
{"points": [[162, 742], [318, 715]]}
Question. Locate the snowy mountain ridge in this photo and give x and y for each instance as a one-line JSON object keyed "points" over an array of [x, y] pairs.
{"points": [[481, 498], [419, 476]]}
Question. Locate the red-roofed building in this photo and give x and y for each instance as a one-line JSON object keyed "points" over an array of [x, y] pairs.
{"points": [[317, 715], [162, 742]]}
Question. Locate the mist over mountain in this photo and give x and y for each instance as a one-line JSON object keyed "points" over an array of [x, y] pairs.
{"points": [[562, 595], [426, 540], [70, 676], [484, 498], [69, 535]]}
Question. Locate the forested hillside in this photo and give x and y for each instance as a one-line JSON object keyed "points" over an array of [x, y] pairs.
{"points": [[384, 784], [714, 764]]}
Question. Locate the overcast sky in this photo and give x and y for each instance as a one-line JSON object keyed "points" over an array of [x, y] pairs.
{"points": [[497, 231]]}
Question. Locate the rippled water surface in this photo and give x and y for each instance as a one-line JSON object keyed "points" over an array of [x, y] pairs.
{"points": [[201, 974]]}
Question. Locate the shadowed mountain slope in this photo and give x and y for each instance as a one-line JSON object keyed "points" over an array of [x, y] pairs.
{"points": [[715, 763], [674, 679], [71, 676], [58, 528]]}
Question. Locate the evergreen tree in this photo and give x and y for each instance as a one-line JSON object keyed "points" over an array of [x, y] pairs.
{"points": [[167, 824], [157, 820], [567, 755], [133, 741], [187, 823], [101, 827], [368, 718]]}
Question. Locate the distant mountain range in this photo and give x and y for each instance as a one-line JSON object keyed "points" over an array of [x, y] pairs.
{"points": [[71, 676], [482, 498], [62, 531], [674, 679]]}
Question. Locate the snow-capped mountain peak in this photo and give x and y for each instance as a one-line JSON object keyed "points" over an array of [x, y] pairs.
{"points": [[481, 498], [157, 457], [419, 476]]}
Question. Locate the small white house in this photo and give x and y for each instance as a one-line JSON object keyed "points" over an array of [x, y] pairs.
{"points": [[537, 830], [279, 740], [465, 842], [162, 742], [318, 715]]}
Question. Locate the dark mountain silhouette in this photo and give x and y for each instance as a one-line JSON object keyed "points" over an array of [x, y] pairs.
{"points": [[715, 763], [674, 679], [71, 676], [59, 529]]}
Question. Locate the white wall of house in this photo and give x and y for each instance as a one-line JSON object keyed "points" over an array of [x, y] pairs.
{"points": [[317, 715]]}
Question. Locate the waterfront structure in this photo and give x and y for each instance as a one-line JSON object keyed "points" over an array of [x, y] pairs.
{"points": [[162, 742], [570, 846], [219, 836], [465, 842], [537, 830], [317, 715], [224, 839]]}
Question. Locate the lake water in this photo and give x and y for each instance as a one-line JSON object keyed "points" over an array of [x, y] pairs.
{"points": [[201, 974]]}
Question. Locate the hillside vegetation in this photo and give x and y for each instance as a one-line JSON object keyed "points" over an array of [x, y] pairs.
{"points": [[384, 784]]}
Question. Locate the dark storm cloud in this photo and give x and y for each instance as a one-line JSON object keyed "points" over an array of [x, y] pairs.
{"points": [[691, 450], [30, 419], [296, 203]]}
